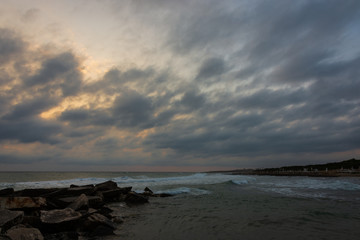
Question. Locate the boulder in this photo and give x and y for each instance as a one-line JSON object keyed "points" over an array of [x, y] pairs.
{"points": [[148, 190], [35, 192], [111, 195], [23, 233], [4, 237], [97, 225], [108, 185], [95, 220], [134, 198], [93, 201], [10, 218], [6, 192], [82, 202], [62, 236], [59, 216], [106, 211], [125, 190], [22, 202], [75, 186], [33, 221], [76, 191]]}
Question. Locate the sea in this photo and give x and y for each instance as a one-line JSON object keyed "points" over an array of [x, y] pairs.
{"points": [[222, 206]]}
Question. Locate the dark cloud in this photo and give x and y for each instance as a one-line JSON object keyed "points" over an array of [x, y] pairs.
{"points": [[269, 78], [30, 130], [60, 71], [10, 45], [131, 109], [114, 80], [30, 108], [211, 67], [192, 100], [88, 117]]}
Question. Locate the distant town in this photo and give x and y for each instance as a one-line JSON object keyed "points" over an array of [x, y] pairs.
{"points": [[347, 168]]}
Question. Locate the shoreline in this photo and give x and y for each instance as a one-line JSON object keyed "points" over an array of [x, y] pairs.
{"points": [[290, 173]]}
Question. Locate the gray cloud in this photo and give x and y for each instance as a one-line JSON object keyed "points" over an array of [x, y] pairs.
{"points": [[267, 79], [131, 109], [58, 72], [30, 130], [211, 67], [30, 108], [10, 45]]}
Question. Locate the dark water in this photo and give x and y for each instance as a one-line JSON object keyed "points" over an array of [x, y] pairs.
{"points": [[238, 212], [216, 206]]}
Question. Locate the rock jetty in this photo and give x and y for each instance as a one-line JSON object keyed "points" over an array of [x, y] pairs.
{"points": [[76, 212]]}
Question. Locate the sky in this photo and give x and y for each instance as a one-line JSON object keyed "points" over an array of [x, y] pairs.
{"points": [[178, 85]]}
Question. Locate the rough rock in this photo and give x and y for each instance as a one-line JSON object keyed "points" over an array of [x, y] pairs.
{"points": [[82, 202], [108, 185], [111, 195], [10, 218], [35, 192], [93, 201], [4, 237], [125, 190], [6, 192], [95, 220], [76, 191], [148, 190], [75, 186], [62, 236], [59, 216], [21, 202], [134, 198], [117, 219], [33, 221], [23, 233]]}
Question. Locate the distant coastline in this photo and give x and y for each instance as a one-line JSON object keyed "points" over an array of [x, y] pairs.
{"points": [[347, 168]]}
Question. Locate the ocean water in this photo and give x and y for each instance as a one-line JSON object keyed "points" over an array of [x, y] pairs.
{"points": [[221, 206]]}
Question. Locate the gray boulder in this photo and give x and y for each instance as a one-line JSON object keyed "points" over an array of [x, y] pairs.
{"points": [[21, 202], [82, 202], [23, 233], [10, 218], [59, 216]]}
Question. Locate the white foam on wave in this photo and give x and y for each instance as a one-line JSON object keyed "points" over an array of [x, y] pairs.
{"points": [[188, 180], [185, 190], [138, 182], [240, 182], [308, 187], [53, 183], [315, 183]]}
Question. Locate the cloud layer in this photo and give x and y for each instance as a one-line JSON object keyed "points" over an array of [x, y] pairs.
{"points": [[229, 83]]}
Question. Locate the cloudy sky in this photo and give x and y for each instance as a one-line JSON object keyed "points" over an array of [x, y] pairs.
{"points": [[178, 85]]}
